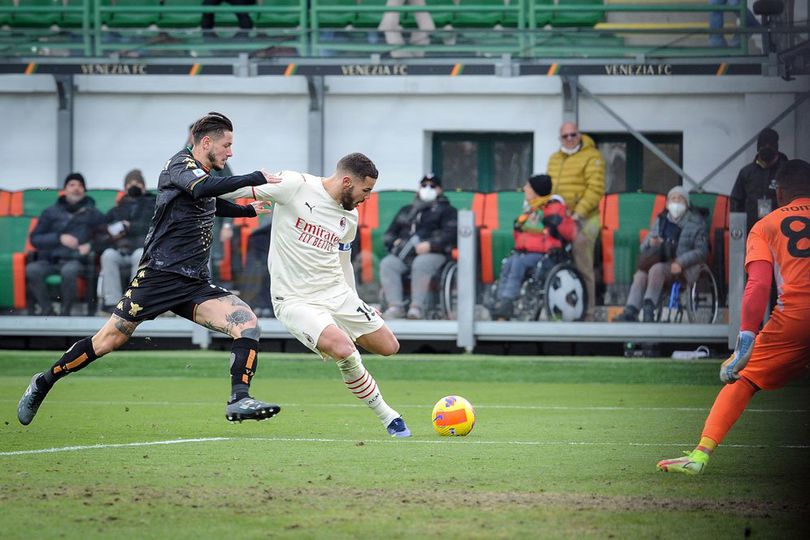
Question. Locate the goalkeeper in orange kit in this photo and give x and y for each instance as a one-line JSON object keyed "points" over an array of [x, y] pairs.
{"points": [[778, 246]]}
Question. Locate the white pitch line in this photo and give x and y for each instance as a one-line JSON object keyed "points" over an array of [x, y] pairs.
{"points": [[411, 406], [381, 441]]}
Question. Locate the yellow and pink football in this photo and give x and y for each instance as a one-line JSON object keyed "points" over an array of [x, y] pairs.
{"points": [[453, 416]]}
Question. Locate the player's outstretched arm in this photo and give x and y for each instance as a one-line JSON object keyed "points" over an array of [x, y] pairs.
{"points": [[755, 300], [262, 192]]}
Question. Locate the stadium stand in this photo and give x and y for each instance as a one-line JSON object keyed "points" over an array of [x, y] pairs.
{"points": [[526, 28], [13, 244], [626, 218], [500, 211]]}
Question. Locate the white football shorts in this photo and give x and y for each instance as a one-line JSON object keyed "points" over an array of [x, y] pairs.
{"points": [[306, 319]]}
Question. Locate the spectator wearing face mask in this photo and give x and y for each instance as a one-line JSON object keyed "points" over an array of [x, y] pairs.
{"points": [[577, 171], [128, 223], [675, 247], [420, 239], [754, 192]]}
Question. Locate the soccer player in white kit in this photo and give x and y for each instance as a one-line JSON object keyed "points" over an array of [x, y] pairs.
{"points": [[311, 275]]}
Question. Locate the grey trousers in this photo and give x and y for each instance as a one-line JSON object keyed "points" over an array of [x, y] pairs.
{"points": [[423, 268], [649, 284], [37, 271], [112, 262]]}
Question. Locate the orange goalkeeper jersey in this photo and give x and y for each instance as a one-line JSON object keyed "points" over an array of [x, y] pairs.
{"points": [[783, 239]]}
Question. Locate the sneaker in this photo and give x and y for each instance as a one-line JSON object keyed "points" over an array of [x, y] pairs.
{"points": [[692, 463], [393, 312], [248, 408], [397, 428], [415, 313], [30, 402]]}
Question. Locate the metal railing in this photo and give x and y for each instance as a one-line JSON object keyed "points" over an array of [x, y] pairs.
{"points": [[520, 36]]}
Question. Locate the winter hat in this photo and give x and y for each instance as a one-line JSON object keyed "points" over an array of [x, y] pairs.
{"points": [[431, 178], [75, 176], [679, 190], [541, 184], [134, 175], [768, 137]]}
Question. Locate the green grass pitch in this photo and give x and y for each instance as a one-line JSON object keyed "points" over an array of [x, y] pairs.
{"points": [[562, 448]]}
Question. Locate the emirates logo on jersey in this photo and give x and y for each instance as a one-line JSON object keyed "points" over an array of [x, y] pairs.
{"points": [[316, 236]]}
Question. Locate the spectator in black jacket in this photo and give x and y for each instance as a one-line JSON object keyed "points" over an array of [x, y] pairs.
{"points": [[754, 192], [63, 240], [127, 225], [420, 239]]}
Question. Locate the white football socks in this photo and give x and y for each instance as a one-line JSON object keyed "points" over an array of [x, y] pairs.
{"points": [[360, 383]]}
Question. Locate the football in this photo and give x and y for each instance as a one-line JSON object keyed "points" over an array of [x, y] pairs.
{"points": [[453, 416]]}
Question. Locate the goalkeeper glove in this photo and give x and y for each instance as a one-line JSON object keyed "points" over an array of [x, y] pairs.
{"points": [[730, 369]]}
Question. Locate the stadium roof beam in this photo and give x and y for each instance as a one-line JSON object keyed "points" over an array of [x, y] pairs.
{"points": [[570, 98], [64, 126], [316, 89], [801, 98]]}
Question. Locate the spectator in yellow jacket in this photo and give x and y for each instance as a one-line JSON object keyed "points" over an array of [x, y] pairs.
{"points": [[577, 171]]}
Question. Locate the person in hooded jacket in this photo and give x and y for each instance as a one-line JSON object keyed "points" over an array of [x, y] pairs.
{"points": [[676, 246], [128, 223], [754, 191], [63, 238], [420, 239]]}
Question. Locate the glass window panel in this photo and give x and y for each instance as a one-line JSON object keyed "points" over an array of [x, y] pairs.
{"points": [[657, 176], [511, 163], [459, 164], [615, 154]]}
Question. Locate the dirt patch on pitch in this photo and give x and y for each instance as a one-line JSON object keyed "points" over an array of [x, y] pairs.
{"points": [[483, 500]]}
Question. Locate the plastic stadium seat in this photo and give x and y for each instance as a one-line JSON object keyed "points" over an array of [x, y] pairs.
{"points": [[441, 18], [188, 19], [468, 200], [13, 238], [36, 20], [486, 18], [37, 200], [105, 198], [287, 19], [497, 240], [336, 19], [626, 220], [541, 18], [368, 19], [6, 18], [376, 215], [129, 20], [718, 233], [5, 202], [74, 19], [578, 18]]}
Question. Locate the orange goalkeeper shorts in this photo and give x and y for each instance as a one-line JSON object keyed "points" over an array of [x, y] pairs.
{"points": [[781, 351]]}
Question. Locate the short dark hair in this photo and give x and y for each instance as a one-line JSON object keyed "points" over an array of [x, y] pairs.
{"points": [[794, 178], [213, 123], [359, 165]]}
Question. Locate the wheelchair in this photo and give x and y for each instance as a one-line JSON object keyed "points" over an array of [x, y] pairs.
{"points": [[554, 289], [442, 298], [699, 300]]}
